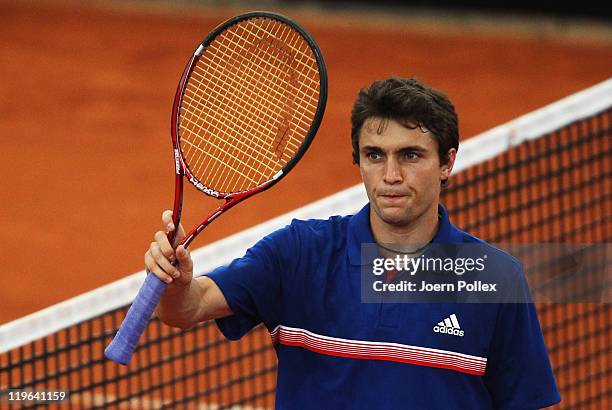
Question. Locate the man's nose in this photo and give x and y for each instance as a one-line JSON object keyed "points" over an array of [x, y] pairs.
{"points": [[393, 171]]}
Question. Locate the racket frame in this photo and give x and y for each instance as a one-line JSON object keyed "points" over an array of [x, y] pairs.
{"points": [[181, 168]]}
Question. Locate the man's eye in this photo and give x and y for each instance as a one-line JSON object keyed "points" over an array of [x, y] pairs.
{"points": [[411, 155], [373, 156]]}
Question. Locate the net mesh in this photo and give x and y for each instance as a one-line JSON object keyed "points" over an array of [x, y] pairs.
{"points": [[248, 105], [555, 188]]}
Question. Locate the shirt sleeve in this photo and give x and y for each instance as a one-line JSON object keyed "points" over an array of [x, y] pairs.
{"points": [[252, 284], [519, 374]]}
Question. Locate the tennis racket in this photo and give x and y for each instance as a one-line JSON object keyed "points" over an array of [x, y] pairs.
{"points": [[247, 107]]}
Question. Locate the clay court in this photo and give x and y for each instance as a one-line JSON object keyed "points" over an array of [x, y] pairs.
{"points": [[87, 90]]}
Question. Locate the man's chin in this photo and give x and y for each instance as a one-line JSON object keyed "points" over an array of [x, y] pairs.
{"points": [[393, 215]]}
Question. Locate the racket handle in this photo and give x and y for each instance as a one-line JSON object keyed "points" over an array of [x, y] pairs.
{"points": [[122, 347]]}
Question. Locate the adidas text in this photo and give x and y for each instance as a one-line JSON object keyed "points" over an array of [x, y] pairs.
{"points": [[448, 330]]}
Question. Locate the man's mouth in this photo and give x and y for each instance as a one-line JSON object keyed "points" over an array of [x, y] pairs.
{"points": [[390, 193], [392, 197]]}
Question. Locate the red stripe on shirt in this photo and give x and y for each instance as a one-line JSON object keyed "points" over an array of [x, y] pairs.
{"points": [[394, 352]]}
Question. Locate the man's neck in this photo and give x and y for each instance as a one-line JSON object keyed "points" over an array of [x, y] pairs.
{"points": [[417, 233]]}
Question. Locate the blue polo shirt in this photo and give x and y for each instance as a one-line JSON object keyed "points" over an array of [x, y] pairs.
{"points": [[334, 351]]}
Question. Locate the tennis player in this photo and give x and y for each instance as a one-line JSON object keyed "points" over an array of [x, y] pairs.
{"points": [[303, 282]]}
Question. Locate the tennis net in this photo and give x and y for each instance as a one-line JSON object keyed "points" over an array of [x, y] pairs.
{"points": [[544, 177]]}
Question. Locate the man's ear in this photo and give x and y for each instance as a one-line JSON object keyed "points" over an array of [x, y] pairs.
{"points": [[448, 167]]}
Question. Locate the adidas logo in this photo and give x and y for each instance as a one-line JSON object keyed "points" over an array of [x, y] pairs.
{"points": [[450, 326]]}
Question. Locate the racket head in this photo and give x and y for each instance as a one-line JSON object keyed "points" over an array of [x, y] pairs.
{"points": [[248, 105]]}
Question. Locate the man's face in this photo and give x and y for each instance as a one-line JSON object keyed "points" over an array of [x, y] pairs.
{"points": [[401, 171]]}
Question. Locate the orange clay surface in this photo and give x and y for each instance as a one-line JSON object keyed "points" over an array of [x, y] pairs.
{"points": [[85, 99]]}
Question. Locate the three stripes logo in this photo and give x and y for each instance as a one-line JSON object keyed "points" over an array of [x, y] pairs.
{"points": [[450, 326]]}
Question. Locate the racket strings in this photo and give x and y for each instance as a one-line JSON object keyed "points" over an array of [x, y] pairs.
{"points": [[204, 72], [274, 69], [248, 105], [271, 68], [255, 104], [239, 125], [303, 52], [241, 146], [266, 117]]}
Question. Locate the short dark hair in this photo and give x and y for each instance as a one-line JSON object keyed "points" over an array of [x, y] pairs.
{"points": [[412, 104]]}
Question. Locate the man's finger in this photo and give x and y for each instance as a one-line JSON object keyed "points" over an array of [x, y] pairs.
{"points": [[167, 220], [184, 259], [168, 223], [152, 266], [164, 245], [162, 261]]}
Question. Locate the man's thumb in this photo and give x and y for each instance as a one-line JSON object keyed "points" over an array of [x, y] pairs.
{"points": [[184, 259]]}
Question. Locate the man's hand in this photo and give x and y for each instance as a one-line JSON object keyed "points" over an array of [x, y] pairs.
{"points": [[173, 266], [186, 301]]}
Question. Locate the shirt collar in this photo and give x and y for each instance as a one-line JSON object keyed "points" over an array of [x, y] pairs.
{"points": [[359, 232]]}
